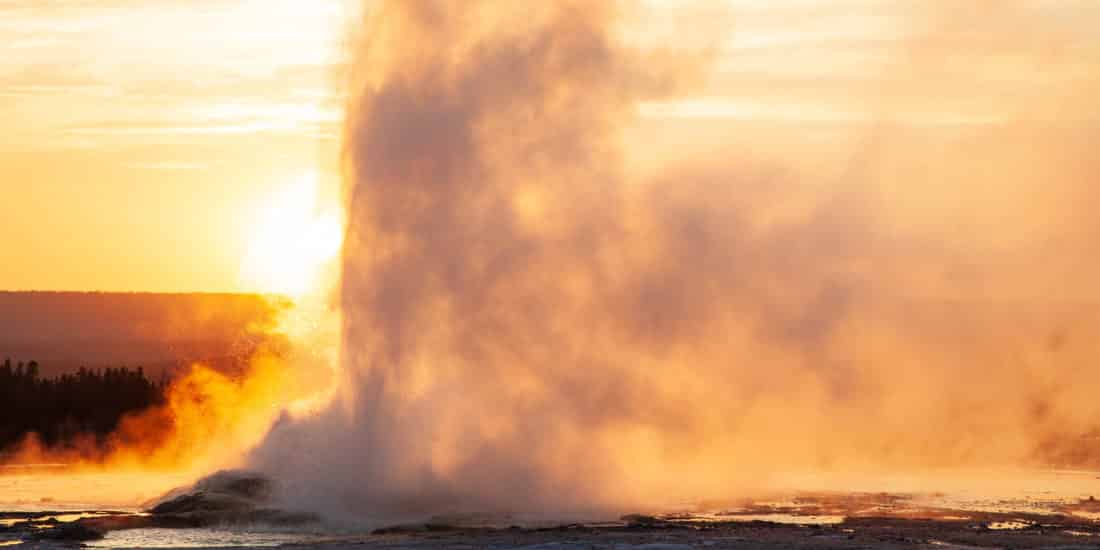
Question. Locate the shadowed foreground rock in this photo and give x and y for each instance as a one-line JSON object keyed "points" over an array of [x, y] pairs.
{"points": [[70, 532], [640, 532], [226, 497]]}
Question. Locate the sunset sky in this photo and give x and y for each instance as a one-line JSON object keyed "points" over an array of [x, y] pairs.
{"points": [[546, 256], [142, 140]]}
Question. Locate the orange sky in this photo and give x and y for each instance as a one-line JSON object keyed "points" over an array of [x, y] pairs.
{"points": [[141, 140]]}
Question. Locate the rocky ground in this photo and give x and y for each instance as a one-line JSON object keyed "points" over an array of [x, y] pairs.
{"points": [[658, 534], [237, 502]]}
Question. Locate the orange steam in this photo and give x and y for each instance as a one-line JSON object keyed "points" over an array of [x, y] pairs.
{"points": [[208, 419]]}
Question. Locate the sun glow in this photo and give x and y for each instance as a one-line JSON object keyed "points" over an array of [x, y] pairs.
{"points": [[292, 243]]}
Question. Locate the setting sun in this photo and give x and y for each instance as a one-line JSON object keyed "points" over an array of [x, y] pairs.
{"points": [[291, 241]]}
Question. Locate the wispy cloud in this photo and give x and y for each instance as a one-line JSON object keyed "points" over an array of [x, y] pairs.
{"points": [[115, 71], [169, 166]]}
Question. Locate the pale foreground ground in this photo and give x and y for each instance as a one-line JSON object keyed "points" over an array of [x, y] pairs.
{"points": [[1053, 509]]}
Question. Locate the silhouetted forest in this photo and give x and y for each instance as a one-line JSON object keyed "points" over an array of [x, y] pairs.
{"points": [[60, 408]]}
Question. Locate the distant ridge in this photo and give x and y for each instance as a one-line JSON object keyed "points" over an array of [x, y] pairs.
{"points": [[160, 331]]}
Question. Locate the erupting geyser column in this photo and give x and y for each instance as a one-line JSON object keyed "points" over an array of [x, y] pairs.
{"points": [[501, 288], [528, 326]]}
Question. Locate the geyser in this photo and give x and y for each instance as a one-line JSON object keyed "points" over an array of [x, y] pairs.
{"points": [[532, 325]]}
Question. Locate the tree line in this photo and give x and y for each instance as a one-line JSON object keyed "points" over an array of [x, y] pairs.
{"points": [[87, 402]]}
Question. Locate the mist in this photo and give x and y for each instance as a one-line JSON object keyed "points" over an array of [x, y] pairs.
{"points": [[556, 302]]}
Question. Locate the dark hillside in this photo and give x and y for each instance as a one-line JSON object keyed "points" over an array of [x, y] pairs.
{"points": [[63, 331]]}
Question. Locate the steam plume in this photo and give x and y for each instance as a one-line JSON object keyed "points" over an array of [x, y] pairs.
{"points": [[530, 325]]}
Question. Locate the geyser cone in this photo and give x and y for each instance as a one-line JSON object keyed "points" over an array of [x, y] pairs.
{"points": [[530, 326]]}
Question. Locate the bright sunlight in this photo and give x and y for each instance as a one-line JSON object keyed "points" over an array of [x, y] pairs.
{"points": [[291, 242]]}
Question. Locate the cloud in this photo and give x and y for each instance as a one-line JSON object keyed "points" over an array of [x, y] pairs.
{"points": [[158, 65], [170, 165]]}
